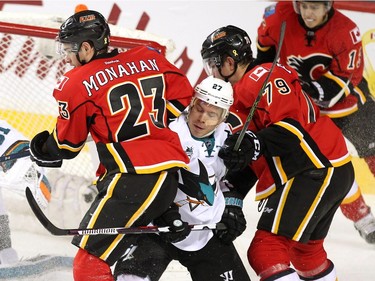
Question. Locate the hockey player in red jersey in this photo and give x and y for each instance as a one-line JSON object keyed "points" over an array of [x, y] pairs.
{"points": [[324, 47], [123, 100], [201, 198], [299, 157]]}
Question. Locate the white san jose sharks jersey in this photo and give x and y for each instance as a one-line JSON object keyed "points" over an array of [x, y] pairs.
{"points": [[199, 196]]}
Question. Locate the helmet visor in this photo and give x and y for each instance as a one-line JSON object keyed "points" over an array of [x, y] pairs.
{"points": [[65, 49], [211, 65]]}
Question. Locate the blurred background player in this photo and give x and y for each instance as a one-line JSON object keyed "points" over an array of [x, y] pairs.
{"points": [[201, 198], [15, 175], [126, 115], [324, 47], [299, 157]]}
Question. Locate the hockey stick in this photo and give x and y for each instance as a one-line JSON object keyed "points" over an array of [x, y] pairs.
{"points": [[333, 101], [259, 96], [107, 231], [14, 156]]}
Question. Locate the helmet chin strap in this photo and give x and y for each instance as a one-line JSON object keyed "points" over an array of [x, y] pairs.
{"points": [[226, 78], [82, 62]]}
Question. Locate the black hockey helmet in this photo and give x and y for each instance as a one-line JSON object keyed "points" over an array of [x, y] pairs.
{"points": [[85, 26], [227, 41]]}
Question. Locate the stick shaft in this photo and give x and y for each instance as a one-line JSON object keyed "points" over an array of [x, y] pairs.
{"points": [[107, 231], [259, 96]]}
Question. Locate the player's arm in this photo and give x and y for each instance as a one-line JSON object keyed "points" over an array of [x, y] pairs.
{"points": [[175, 108], [278, 142], [235, 187], [179, 92], [242, 181], [43, 151], [265, 53], [328, 89], [66, 140], [268, 31], [47, 151], [345, 72]]}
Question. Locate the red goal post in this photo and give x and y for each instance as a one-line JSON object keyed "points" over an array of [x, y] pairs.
{"points": [[29, 70]]}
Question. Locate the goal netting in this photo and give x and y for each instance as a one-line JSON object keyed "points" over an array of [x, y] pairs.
{"points": [[29, 70]]}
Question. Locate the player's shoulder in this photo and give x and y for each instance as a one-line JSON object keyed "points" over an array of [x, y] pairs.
{"points": [[341, 25], [341, 22], [142, 52], [340, 16], [259, 73], [273, 17], [150, 56], [278, 12]]}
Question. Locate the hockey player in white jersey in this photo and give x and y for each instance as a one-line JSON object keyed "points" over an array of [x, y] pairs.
{"points": [[15, 175], [202, 198]]}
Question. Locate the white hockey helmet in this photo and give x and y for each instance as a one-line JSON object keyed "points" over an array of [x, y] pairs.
{"points": [[328, 4], [216, 92]]}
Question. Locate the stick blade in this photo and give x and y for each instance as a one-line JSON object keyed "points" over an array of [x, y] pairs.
{"points": [[41, 216]]}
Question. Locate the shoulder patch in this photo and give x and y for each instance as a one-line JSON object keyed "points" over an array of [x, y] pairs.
{"points": [[270, 10], [355, 35], [60, 84]]}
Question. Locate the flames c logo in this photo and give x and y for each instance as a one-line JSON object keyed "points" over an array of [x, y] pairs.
{"points": [[306, 66]]}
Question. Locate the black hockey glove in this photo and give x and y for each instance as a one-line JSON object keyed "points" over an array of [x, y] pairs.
{"points": [[325, 91], [314, 90], [179, 229], [42, 159], [233, 217], [249, 150]]}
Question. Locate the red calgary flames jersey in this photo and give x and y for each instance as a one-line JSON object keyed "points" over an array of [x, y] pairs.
{"points": [[123, 100], [333, 50], [295, 137], [335, 47]]}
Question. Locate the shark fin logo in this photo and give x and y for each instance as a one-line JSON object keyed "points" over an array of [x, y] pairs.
{"points": [[198, 186]]}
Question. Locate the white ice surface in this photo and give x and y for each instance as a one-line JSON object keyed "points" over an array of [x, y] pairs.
{"points": [[353, 257]]}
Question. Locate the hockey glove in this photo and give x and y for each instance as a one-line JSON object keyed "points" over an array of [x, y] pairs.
{"points": [[327, 91], [249, 150], [233, 217], [315, 91], [179, 229], [37, 155]]}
